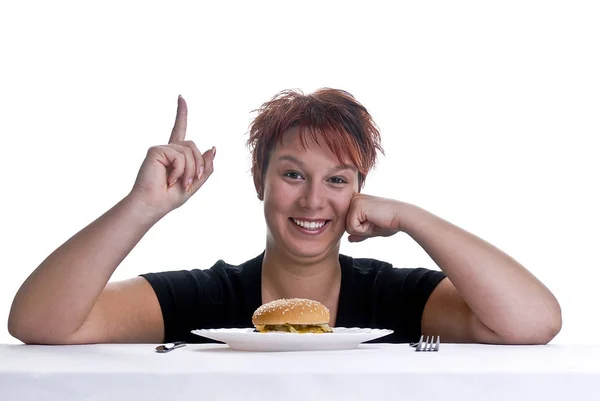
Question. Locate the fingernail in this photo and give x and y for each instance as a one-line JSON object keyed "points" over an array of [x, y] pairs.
{"points": [[214, 151], [200, 171], [173, 183]]}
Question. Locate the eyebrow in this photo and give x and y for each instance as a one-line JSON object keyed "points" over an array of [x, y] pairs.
{"points": [[339, 167]]}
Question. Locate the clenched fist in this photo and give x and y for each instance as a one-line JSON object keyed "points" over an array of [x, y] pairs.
{"points": [[370, 216]]}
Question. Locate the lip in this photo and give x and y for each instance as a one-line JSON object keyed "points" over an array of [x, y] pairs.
{"points": [[309, 220], [310, 232]]}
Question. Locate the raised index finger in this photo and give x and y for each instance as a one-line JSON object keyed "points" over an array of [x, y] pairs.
{"points": [[178, 133]]}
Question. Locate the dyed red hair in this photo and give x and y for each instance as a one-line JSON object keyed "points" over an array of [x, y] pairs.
{"points": [[330, 114]]}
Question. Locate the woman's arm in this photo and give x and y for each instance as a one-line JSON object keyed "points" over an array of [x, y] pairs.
{"points": [[488, 297], [57, 304], [67, 299]]}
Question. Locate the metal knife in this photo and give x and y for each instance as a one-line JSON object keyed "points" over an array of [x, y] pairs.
{"points": [[170, 346]]}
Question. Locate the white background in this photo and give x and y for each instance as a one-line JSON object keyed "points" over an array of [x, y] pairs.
{"points": [[488, 112]]}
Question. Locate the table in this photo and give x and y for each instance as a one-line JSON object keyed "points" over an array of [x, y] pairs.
{"points": [[372, 371]]}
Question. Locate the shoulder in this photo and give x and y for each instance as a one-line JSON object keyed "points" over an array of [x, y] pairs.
{"points": [[385, 296], [222, 295], [363, 266], [214, 280], [220, 268], [383, 274]]}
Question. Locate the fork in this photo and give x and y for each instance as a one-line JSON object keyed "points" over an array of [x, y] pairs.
{"points": [[427, 344]]}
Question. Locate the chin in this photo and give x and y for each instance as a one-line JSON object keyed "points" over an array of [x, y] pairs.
{"points": [[310, 250], [308, 253]]}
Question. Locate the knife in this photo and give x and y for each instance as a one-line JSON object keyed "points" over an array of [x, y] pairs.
{"points": [[170, 346]]}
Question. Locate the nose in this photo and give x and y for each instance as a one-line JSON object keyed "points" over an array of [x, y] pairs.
{"points": [[313, 196]]}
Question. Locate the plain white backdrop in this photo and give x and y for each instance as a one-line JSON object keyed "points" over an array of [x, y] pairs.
{"points": [[488, 113]]}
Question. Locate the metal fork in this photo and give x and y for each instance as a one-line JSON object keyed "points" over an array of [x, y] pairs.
{"points": [[427, 344]]}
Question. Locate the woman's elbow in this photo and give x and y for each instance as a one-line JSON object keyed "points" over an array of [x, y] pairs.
{"points": [[542, 330], [15, 329], [551, 327], [28, 333]]}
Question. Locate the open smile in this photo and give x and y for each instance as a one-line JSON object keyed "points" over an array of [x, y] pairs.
{"points": [[312, 227]]}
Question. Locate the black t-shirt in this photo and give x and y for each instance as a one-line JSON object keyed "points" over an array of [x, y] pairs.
{"points": [[373, 294]]}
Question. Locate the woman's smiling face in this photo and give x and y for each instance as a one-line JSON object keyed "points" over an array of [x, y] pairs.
{"points": [[307, 193]]}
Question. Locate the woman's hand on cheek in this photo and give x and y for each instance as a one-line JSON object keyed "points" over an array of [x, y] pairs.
{"points": [[371, 216]]}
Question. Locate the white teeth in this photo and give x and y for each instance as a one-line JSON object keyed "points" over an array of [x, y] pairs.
{"points": [[309, 225]]}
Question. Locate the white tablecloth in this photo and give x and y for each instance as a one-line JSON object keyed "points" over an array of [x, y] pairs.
{"points": [[370, 372]]}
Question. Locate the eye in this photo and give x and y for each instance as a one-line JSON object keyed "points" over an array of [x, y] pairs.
{"points": [[338, 180], [292, 174]]}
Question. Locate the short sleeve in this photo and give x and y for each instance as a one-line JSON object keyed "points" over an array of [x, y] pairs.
{"points": [[191, 300], [400, 295]]}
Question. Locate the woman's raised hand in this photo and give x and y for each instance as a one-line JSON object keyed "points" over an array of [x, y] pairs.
{"points": [[172, 173]]}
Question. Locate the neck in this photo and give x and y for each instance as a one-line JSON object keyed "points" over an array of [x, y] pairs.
{"points": [[284, 276]]}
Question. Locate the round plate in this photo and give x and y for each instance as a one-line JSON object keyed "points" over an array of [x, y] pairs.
{"points": [[248, 340]]}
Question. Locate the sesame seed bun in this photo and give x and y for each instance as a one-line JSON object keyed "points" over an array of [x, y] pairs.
{"points": [[295, 311]]}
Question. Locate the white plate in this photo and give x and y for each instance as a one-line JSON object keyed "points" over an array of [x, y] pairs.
{"points": [[248, 340]]}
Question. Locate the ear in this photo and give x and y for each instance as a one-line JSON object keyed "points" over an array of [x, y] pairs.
{"points": [[258, 187]]}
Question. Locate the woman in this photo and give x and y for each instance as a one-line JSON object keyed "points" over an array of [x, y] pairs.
{"points": [[311, 155]]}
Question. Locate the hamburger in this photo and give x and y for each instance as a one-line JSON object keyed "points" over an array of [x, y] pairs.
{"points": [[296, 315]]}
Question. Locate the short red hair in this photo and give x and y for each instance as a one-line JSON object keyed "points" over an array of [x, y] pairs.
{"points": [[331, 114]]}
